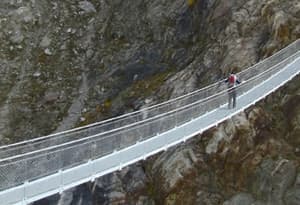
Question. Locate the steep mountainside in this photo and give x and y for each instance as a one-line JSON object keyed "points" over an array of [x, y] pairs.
{"points": [[69, 63]]}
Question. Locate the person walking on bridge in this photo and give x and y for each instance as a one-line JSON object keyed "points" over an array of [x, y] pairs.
{"points": [[232, 81]]}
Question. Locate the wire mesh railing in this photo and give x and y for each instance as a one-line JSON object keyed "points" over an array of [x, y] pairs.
{"points": [[40, 160]]}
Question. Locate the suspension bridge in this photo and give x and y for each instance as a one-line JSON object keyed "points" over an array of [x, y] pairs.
{"points": [[38, 168]]}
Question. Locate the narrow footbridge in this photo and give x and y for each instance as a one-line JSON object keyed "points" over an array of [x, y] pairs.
{"points": [[34, 169]]}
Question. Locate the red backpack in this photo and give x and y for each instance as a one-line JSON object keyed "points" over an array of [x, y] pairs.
{"points": [[232, 79]]}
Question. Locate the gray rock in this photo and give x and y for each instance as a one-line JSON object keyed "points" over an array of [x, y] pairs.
{"points": [[114, 188], [17, 36], [281, 26], [23, 14], [240, 199], [173, 165], [143, 200], [111, 186], [207, 198], [227, 130], [48, 52], [51, 97], [37, 74], [292, 196], [46, 41], [181, 83], [297, 183], [296, 9], [66, 197], [258, 203], [133, 178], [87, 7], [222, 8], [116, 196], [273, 179]]}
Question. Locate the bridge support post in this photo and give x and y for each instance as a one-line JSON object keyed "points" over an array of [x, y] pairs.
{"points": [[92, 170], [25, 185], [166, 148], [61, 186]]}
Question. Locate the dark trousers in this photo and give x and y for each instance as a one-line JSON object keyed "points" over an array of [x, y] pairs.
{"points": [[232, 98]]}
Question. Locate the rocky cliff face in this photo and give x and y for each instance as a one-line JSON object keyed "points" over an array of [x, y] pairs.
{"points": [[74, 62], [69, 63]]}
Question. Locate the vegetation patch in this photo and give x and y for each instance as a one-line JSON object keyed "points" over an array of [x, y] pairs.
{"points": [[146, 87], [191, 2]]}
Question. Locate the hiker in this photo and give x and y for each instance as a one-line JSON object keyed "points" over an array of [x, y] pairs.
{"points": [[232, 81]]}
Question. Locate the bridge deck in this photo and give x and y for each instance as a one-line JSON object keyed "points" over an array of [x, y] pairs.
{"points": [[131, 147]]}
